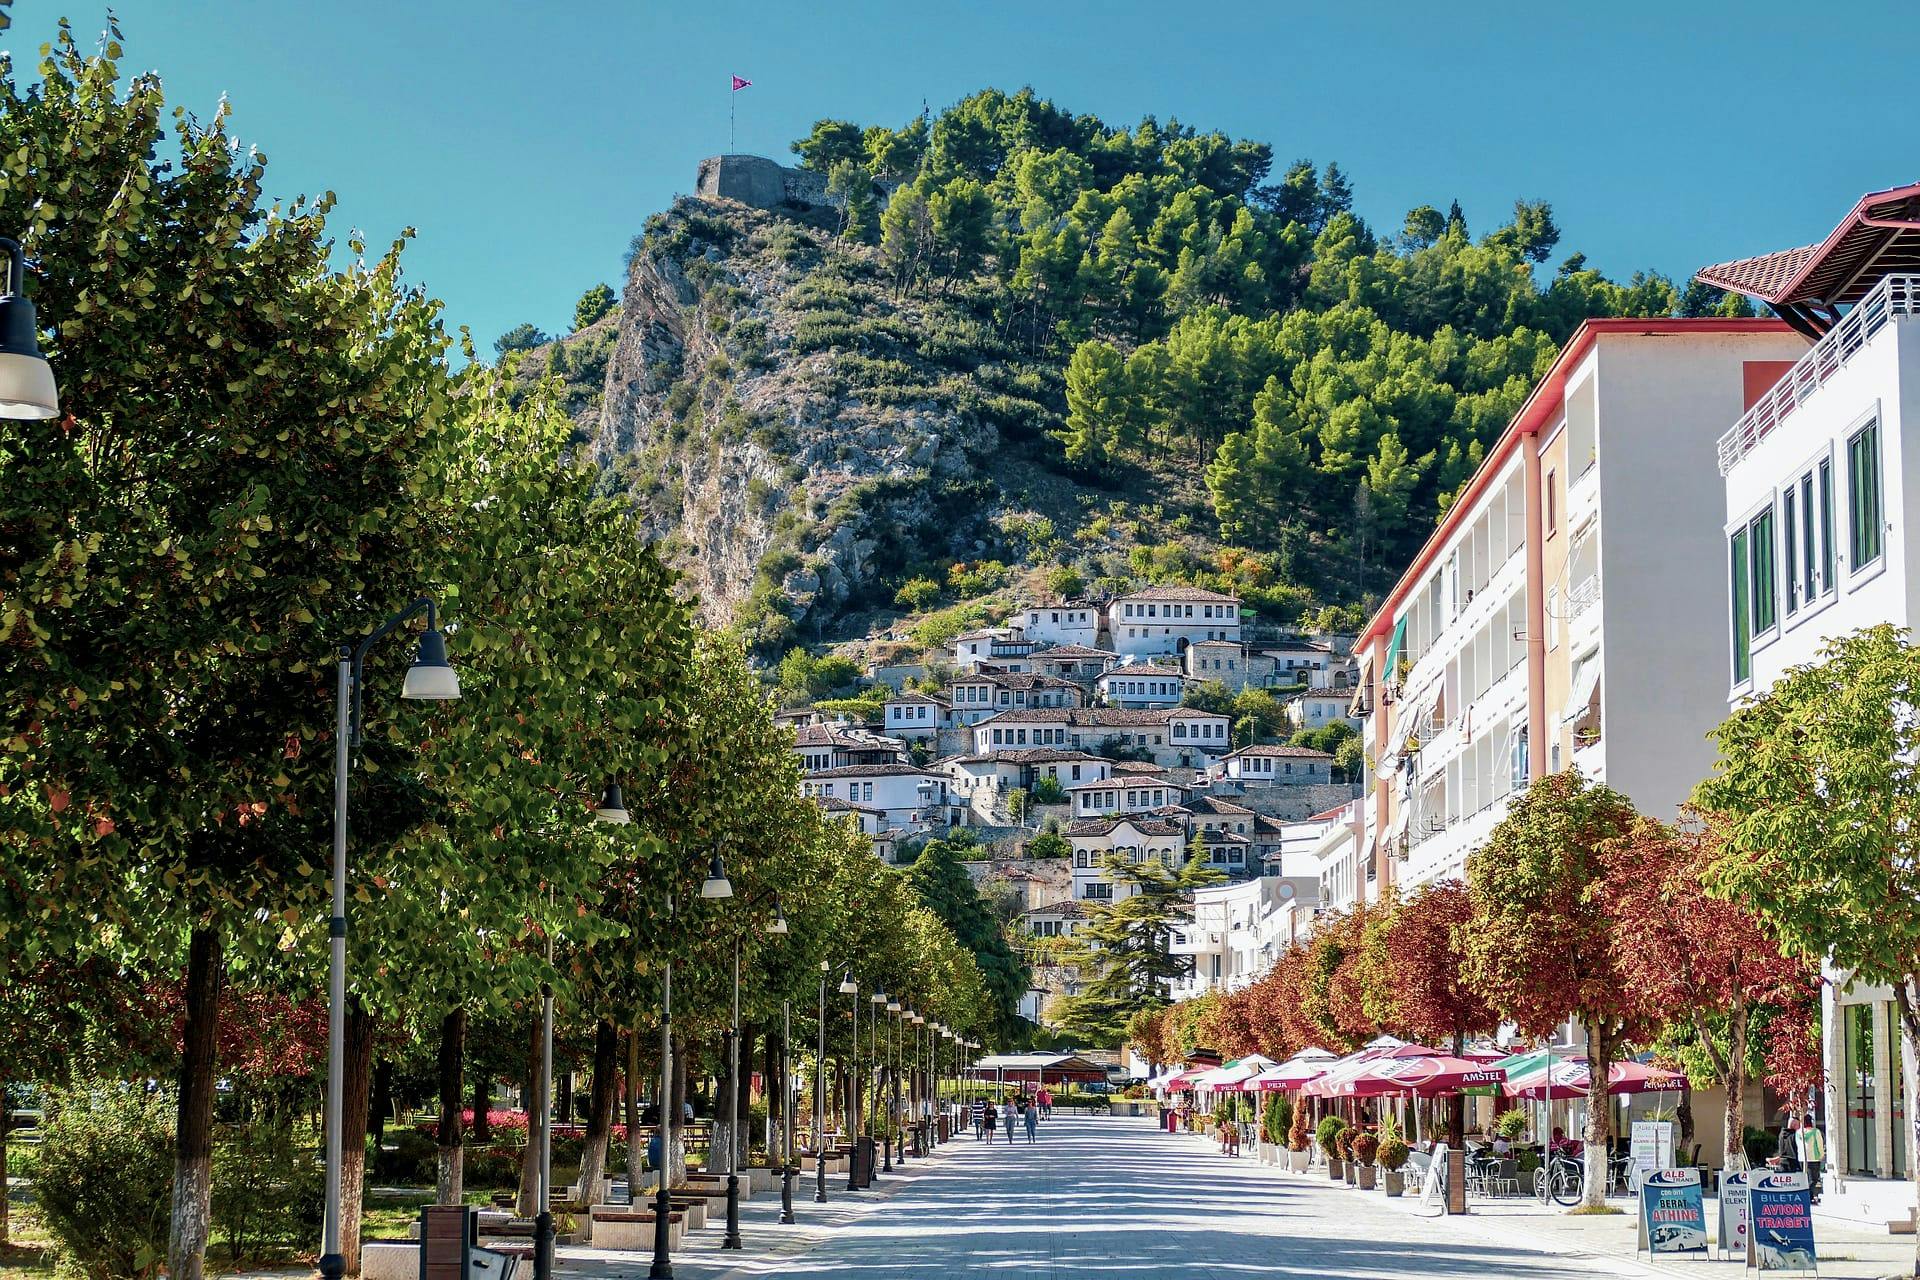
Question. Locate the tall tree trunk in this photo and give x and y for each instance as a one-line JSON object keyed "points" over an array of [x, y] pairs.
{"points": [[528, 1202], [720, 1150], [565, 1108], [453, 1038], [6, 1127], [193, 1135], [1599, 1111], [772, 1084], [355, 1085], [1736, 1078], [636, 1143], [482, 1103], [675, 1147], [606, 1064], [382, 1104]]}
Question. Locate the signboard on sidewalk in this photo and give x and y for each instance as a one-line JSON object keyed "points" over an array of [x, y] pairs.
{"points": [[1733, 1212], [1673, 1218], [1652, 1146], [1780, 1217], [1431, 1191]]}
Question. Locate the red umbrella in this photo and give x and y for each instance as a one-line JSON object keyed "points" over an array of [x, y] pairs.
{"points": [[1572, 1078], [1431, 1075]]}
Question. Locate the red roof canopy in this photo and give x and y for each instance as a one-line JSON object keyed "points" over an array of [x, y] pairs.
{"points": [[1880, 236]]}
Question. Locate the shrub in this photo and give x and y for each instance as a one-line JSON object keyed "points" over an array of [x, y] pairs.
{"points": [[1048, 791], [412, 1161], [105, 1181], [1393, 1147], [266, 1192], [1065, 582], [1511, 1125], [1364, 1145], [1329, 1129], [918, 594], [495, 1166], [1297, 1133], [1278, 1120]]}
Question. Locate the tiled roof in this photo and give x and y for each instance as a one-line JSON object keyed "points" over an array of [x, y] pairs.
{"points": [[1102, 826], [1119, 780], [834, 804], [1072, 651], [870, 771], [934, 698], [1140, 767], [1095, 717], [1015, 680], [1143, 669], [1213, 804], [1028, 755], [1174, 811], [820, 735], [1195, 594], [1876, 238], [1066, 909], [1281, 750]]}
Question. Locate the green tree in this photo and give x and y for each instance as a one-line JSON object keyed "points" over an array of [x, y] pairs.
{"points": [[593, 306], [917, 594], [852, 186], [1816, 796], [522, 337], [829, 143], [1124, 952], [945, 888], [1101, 422]]}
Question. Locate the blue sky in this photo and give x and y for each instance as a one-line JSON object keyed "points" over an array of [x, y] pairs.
{"points": [[527, 142]]}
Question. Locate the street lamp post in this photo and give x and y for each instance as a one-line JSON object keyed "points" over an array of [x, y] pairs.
{"points": [[732, 1037], [787, 1100], [429, 679], [820, 1096], [848, 987], [716, 885], [27, 390], [879, 1000]]}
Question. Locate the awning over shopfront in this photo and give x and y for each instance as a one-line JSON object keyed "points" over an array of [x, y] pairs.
{"points": [[1038, 1068], [1233, 1076], [1529, 1077], [1303, 1066]]}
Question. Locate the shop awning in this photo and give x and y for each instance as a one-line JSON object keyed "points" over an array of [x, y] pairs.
{"points": [[1571, 1077], [1232, 1077], [1429, 1076], [1303, 1066], [1337, 1074]]}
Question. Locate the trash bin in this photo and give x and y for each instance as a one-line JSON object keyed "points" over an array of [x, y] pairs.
{"points": [[863, 1155]]}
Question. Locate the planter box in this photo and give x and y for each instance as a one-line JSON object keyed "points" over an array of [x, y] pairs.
{"points": [[1395, 1182], [1334, 1171], [1299, 1159], [1366, 1177], [1352, 1171]]}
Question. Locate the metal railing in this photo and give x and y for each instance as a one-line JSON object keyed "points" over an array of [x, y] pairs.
{"points": [[1583, 597], [1894, 296]]}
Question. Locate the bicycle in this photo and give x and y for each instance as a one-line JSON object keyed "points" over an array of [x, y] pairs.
{"points": [[1562, 1180]]}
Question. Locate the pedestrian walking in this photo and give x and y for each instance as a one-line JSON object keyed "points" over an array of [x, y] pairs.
{"points": [[979, 1118], [1787, 1151], [1033, 1119], [989, 1119], [1010, 1116], [1046, 1103], [1813, 1154]]}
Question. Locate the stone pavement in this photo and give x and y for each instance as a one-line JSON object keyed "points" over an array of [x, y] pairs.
{"points": [[1098, 1196]]}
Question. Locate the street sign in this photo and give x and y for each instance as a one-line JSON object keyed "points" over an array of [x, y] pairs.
{"points": [[1673, 1218], [1780, 1217]]}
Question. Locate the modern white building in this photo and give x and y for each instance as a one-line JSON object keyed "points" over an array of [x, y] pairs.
{"points": [[1567, 610], [1822, 481], [1141, 686], [1157, 620], [1075, 622], [1237, 931]]}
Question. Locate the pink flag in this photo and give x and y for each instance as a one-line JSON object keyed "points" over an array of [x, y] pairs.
{"points": [[739, 84]]}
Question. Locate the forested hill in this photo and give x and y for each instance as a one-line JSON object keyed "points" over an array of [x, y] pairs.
{"points": [[1028, 351]]}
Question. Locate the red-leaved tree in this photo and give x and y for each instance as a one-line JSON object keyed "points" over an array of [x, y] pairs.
{"points": [[1706, 962], [1430, 997]]}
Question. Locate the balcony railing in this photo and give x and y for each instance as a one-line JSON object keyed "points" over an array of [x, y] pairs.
{"points": [[1894, 296], [1583, 597]]}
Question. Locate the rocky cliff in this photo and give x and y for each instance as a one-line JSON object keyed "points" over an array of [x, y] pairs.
{"points": [[798, 437]]}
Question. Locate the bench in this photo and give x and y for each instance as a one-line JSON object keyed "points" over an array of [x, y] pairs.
{"points": [[718, 1183], [763, 1178], [618, 1227], [694, 1207]]}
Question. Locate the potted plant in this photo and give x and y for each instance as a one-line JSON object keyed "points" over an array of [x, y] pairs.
{"points": [[1299, 1139], [1327, 1136], [1511, 1125], [1275, 1119], [1365, 1146], [1393, 1156], [1348, 1163]]}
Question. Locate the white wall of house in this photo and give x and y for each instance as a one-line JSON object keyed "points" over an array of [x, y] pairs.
{"points": [[1141, 690], [1139, 626], [1074, 623], [1130, 840], [913, 718], [898, 795]]}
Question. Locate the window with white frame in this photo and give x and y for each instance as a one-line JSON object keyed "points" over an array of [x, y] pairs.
{"points": [[1863, 496]]}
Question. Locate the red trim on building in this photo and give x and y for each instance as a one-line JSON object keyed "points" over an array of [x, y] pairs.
{"points": [[1541, 409]]}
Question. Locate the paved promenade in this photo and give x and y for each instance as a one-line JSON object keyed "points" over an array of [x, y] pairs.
{"points": [[1098, 1197]]}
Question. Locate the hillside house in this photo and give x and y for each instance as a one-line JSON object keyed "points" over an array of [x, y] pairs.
{"points": [[989, 690], [1128, 839], [912, 798], [1274, 764], [985, 779], [1317, 708], [1123, 793], [822, 747], [917, 715], [1171, 737], [1002, 647], [1076, 622], [1169, 620], [1079, 663], [1141, 686], [1298, 662], [1221, 661]]}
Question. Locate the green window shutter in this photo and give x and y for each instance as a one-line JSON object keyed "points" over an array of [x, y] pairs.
{"points": [[1742, 633], [1863, 491], [1394, 648], [1760, 552]]}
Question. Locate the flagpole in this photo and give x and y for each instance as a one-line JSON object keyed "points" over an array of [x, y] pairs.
{"points": [[731, 95]]}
